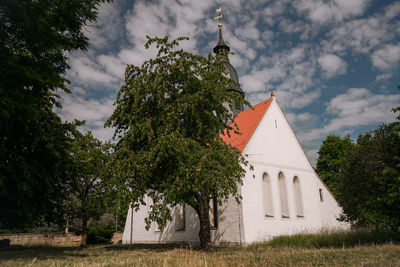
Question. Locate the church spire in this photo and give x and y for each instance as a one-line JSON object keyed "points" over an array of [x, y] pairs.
{"points": [[221, 46]]}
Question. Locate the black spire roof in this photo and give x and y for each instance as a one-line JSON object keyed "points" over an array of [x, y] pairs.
{"points": [[221, 46]]}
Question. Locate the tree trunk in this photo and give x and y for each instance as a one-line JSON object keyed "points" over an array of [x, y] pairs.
{"points": [[204, 233], [84, 224]]}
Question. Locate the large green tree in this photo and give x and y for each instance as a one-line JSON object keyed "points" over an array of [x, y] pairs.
{"points": [[331, 159], [169, 114], [365, 177], [369, 186], [34, 38], [87, 185]]}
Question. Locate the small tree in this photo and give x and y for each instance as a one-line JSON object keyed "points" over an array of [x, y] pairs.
{"points": [[331, 159], [169, 114], [90, 156]]}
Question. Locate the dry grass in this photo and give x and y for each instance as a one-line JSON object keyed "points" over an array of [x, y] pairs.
{"points": [[164, 255]]}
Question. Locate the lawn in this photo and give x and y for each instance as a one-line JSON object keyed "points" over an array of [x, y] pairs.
{"points": [[168, 255]]}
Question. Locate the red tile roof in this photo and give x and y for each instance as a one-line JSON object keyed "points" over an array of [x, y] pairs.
{"points": [[247, 122]]}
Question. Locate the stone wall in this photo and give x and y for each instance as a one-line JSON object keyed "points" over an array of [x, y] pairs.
{"points": [[52, 239]]}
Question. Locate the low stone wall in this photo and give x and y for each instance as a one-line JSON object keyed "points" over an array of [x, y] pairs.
{"points": [[52, 239]]}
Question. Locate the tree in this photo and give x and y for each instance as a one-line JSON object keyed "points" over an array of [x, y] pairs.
{"points": [[169, 115], [90, 156], [365, 177], [369, 186], [34, 37], [331, 159]]}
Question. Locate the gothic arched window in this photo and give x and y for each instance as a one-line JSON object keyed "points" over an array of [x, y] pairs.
{"points": [[267, 196], [283, 196], [298, 197]]}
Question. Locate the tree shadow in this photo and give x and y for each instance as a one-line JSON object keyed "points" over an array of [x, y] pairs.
{"points": [[168, 247], [152, 247], [40, 252]]}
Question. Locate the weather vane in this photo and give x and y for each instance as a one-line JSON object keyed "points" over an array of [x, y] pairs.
{"points": [[219, 17]]}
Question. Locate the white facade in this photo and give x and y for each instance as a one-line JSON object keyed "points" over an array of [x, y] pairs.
{"points": [[284, 197]]}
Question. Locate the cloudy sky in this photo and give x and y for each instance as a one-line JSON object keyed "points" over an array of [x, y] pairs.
{"points": [[333, 64]]}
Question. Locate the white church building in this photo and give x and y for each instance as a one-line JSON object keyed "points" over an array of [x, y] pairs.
{"points": [[282, 195]]}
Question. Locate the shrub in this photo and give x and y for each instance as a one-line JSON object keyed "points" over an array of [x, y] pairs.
{"points": [[100, 234]]}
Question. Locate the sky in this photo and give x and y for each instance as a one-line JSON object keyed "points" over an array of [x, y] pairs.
{"points": [[333, 64]]}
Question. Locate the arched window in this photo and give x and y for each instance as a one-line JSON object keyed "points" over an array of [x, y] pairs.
{"points": [[267, 197], [298, 197], [283, 196], [180, 217], [213, 213]]}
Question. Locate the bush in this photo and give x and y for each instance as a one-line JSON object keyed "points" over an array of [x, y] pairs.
{"points": [[100, 234]]}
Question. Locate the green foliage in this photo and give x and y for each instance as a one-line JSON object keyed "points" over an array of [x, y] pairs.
{"points": [[89, 157], [34, 143], [100, 234], [365, 177], [333, 238], [33, 170], [168, 116], [331, 158], [370, 183]]}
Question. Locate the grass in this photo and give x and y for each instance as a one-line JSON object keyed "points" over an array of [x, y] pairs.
{"points": [[336, 239], [323, 249]]}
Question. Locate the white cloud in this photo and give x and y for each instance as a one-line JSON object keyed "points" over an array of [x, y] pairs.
{"points": [[293, 117], [94, 112], [383, 77], [289, 73], [106, 28], [364, 35], [356, 107], [84, 71], [331, 10], [112, 65], [332, 65], [387, 57]]}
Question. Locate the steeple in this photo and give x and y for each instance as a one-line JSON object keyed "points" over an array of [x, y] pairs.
{"points": [[222, 46]]}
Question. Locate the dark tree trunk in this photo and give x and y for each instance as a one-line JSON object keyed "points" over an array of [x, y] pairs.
{"points": [[204, 233], [84, 224]]}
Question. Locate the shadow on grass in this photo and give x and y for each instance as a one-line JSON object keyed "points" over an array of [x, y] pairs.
{"points": [[40, 252], [167, 247], [153, 247]]}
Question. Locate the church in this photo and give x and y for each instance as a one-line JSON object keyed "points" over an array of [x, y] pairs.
{"points": [[282, 195]]}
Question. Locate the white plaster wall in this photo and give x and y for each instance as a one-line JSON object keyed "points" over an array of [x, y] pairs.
{"points": [[274, 148], [168, 235], [257, 226], [229, 215], [330, 210]]}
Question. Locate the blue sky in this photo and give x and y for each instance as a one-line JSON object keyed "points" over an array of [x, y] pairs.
{"points": [[333, 64]]}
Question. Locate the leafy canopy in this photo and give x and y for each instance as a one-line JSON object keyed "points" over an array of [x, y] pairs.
{"points": [[331, 159], [365, 177], [169, 115], [89, 157], [34, 142], [369, 186]]}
